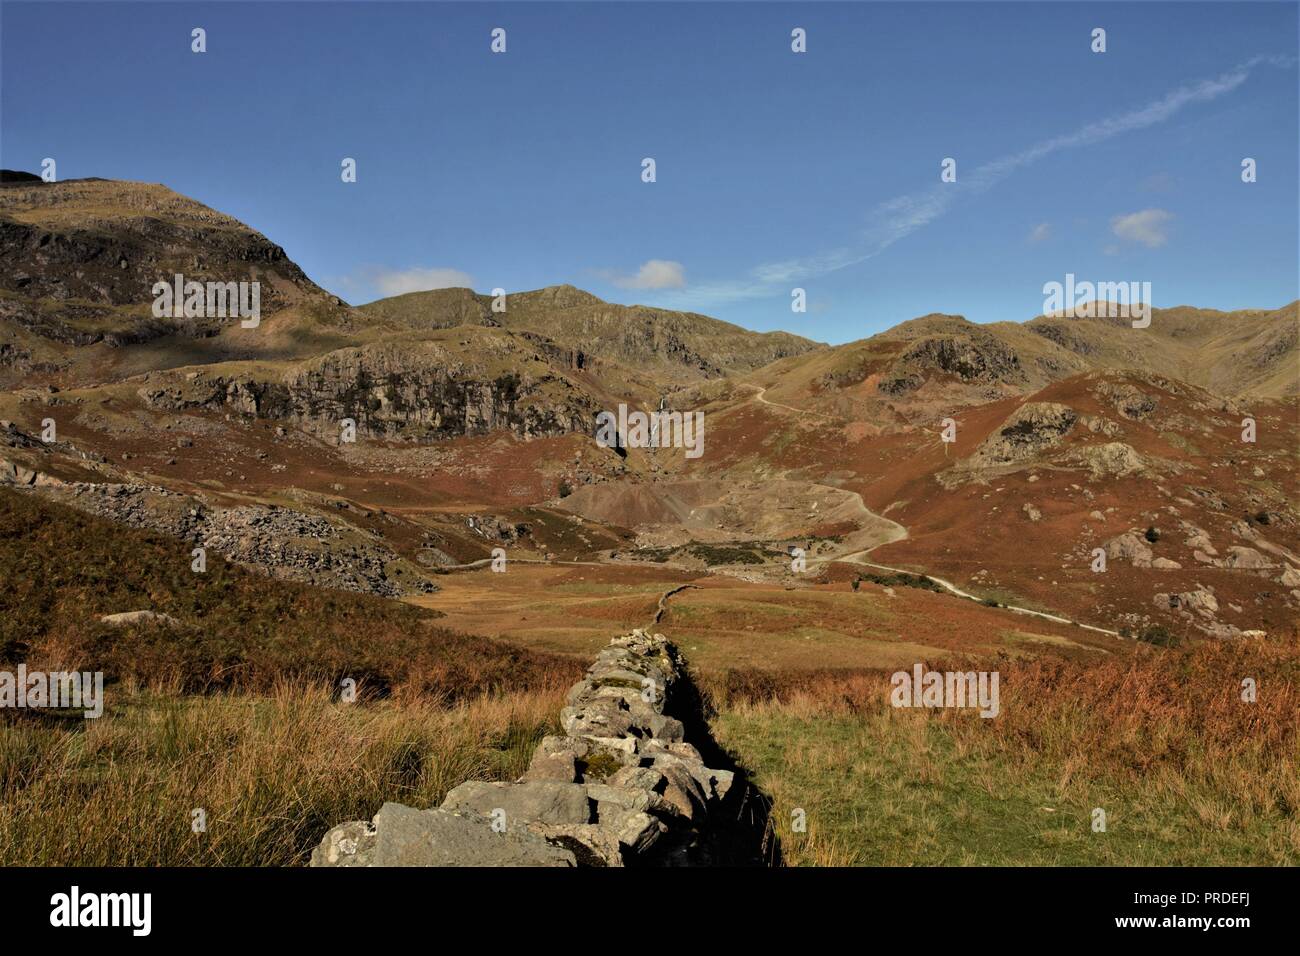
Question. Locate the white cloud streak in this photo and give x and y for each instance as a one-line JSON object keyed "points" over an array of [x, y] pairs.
{"points": [[898, 218]]}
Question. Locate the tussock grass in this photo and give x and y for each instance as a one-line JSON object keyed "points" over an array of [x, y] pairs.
{"points": [[1186, 772], [273, 772]]}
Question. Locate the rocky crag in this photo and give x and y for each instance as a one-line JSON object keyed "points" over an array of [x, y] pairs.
{"points": [[622, 786], [421, 391], [281, 542]]}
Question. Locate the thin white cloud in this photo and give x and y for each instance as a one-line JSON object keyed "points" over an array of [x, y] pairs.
{"points": [[401, 281], [653, 274], [898, 218], [1041, 232], [1146, 227], [1158, 183]]}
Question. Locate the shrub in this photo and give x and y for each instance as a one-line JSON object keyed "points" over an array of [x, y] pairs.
{"points": [[1159, 635]]}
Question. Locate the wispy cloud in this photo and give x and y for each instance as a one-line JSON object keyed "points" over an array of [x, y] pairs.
{"points": [[1146, 227], [370, 281], [653, 274], [401, 281], [898, 218], [1041, 232]]}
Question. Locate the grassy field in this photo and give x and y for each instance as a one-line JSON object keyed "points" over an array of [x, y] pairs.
{"points": [[271, 772], [235, 710], [727, 624], [1186, 772]]}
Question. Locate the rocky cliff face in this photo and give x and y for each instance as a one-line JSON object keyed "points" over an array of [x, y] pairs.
{"points": [[417, 390], [623, 786], [426, 391]]}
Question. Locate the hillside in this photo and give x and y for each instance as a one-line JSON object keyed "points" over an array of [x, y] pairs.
{"points": [[1248, 352], [222, 629], [926, 365], [78, 262], [675, 346]]}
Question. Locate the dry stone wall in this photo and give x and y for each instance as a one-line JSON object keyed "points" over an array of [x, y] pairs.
{"points": [[623, 785]]}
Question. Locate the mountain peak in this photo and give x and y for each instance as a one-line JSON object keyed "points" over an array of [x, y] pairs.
{"points": [[563, 296]]}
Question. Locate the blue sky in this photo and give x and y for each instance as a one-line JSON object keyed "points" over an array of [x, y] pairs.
{"points": [[774, 169]]}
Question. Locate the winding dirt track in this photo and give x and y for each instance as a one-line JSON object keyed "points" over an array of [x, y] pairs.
{"points": [[894, 532], [760, 390], [899, 533]]}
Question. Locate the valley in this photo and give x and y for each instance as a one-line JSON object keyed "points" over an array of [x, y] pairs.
{"points": [[1114, 496]]}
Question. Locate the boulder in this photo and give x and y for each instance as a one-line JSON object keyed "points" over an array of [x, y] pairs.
{"points": [[403, 836], [127, 618], [1130, 547], [534, 801], [1246, 558]]}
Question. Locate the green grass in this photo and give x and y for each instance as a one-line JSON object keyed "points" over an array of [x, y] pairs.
{"points": [[1188, 773], [876, 794]]}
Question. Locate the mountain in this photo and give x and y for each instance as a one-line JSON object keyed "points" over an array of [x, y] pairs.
{"points": [[1248, 352], [927, 366], [79, 260], [675, 346], [474, 431]]}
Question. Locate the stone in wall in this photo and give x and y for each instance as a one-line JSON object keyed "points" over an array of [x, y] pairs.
{"points": [[621, 786]]}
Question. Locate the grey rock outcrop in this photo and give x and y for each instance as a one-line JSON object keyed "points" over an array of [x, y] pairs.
{"points": [[282, 542], [1128, 400], [622, 786], [1030, 430], [414, 390], [1113, 459], [972, 355], [1201, 600], [1130, 547]]}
